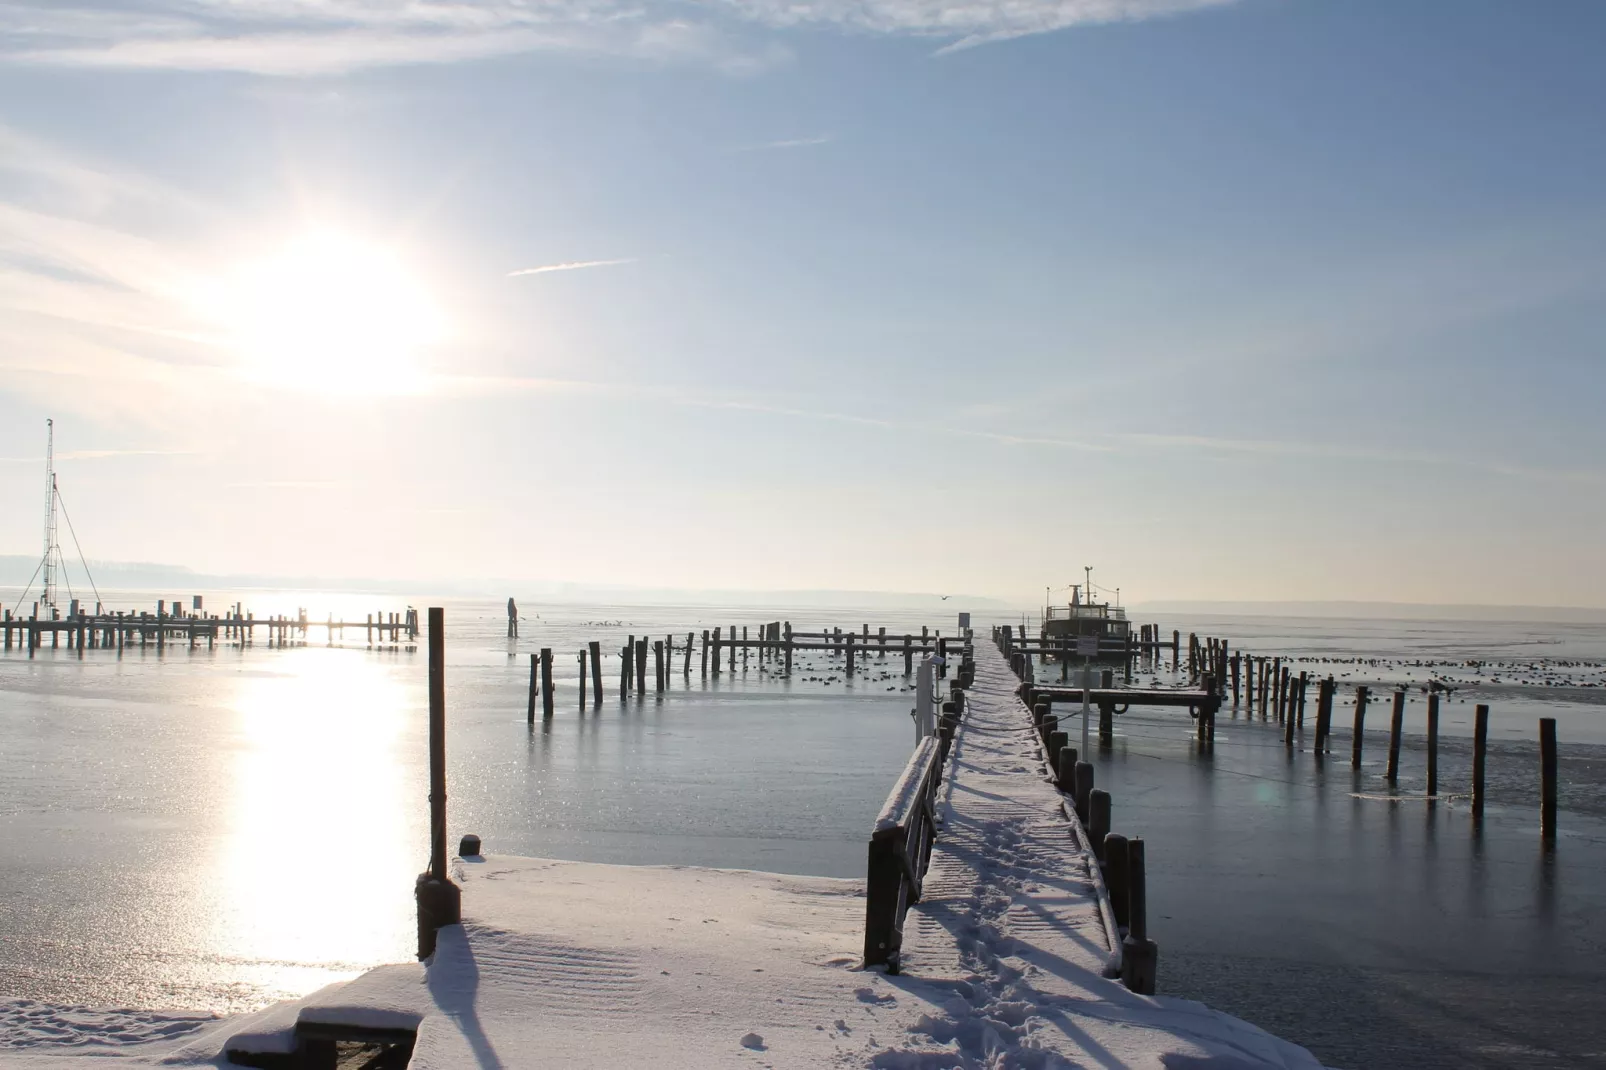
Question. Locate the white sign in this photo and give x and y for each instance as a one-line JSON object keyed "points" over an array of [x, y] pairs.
{"points": [[1087, 646]]}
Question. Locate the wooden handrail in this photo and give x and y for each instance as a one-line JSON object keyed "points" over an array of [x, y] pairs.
{"points": [[900, 850]]}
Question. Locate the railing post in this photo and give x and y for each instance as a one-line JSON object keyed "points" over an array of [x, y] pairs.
{"points": [[439, 900], [1139, 954]]}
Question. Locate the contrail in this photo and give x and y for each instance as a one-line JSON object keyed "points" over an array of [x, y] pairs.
{"points": [[573, 265]]}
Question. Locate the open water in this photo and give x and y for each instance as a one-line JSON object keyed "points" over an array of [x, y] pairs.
{"points": [[219, 829]]}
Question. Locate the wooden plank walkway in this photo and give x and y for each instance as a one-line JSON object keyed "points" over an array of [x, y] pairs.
{"points": [[1012, 873]]}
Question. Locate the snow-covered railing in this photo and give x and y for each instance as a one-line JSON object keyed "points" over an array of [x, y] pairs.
{"points": [[900, 849]]}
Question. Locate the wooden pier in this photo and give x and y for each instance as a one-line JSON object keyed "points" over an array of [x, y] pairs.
{"points": [[83, 631]]}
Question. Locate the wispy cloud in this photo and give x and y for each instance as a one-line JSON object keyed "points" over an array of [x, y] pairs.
{"points": [[571, 265], [791, 143], [322, 37]]}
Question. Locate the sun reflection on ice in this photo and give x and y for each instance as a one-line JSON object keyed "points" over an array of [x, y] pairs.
{"points": [[325, 830]]}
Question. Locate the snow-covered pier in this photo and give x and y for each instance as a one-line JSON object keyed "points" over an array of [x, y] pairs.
{"points": [[1009, 960]]}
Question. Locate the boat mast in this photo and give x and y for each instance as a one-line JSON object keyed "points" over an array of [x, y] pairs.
{"points": [[52, 551]]}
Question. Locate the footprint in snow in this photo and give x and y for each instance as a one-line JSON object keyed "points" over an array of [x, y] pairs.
{"points": [[870, 995], [753, 1042]]}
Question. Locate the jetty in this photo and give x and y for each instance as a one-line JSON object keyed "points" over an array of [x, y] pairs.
{"points": [[81, 629], [999, 923]]}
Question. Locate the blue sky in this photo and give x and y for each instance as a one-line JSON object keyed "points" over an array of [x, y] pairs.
{"points": [[1266, 299]]}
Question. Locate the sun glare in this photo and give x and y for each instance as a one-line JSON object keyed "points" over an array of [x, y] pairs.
{"points": [[332, 314]]}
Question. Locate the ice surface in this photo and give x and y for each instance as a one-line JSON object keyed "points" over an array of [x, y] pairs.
{"points": [[585, 964]]}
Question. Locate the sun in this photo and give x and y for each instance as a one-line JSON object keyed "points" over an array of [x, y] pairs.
{"points": [[330, 313]]}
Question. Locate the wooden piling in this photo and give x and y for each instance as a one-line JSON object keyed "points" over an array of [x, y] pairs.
{"points": [[1480, 754], [1396, 724], [1098, 820], [535, 687], [788, 649], [1324, 713], [1235, 667], [908, 655], [627, 657], [596, 671], [715, 649], [1358, 733], [1547, 781], [641, 666], [582, 660], [685, 670], [1433, 744], [850, 653], [547, 695], [658, 664], [1117, 867]]}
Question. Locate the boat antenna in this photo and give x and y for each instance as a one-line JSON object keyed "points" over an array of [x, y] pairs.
{"points": [[52, 551], [1087, 575]]}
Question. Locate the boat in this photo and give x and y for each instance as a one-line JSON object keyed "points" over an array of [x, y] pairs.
{"points": [[1083, 618]]}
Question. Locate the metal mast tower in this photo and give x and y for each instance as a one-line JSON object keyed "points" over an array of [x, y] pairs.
{"points": [[52, 550]]}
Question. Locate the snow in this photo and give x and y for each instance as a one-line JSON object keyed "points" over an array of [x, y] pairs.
{"points": [[582, 964], [901, 799]]}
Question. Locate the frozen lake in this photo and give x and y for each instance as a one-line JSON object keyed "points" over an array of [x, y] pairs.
{"points": [[169, 824]]}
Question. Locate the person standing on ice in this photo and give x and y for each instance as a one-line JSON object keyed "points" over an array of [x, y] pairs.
{"points": [[512, 619]]}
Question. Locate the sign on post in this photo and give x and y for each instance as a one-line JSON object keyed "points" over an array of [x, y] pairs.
{"points": [[1087, 646]]}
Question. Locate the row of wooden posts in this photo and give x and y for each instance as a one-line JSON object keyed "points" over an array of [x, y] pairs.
{"points": [[107, 631], [1273, 688], [776, 642]]}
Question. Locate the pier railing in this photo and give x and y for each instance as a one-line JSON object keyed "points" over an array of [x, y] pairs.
{"points": [[900, 850]]}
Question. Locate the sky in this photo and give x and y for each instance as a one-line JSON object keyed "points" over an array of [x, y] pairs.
{"points": [[1253, 300]]}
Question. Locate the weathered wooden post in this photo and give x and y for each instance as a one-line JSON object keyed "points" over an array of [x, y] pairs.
{"points": [[582, 660], [1106, 724], [1480, 753], [1237, 658], [1304, 682], [1139, 955], [685, 670], [908, 655], [732, 645], [1396, 724], [1117, 870], [1433, 744], [1176, 649], [535, 686], [1547, 781], [705, 655], [716, 652], [658, 665], [1249, 687], [1324, 713], [596, 671], [1083, 790], [627, 654], [787, 649], [1065, 761], [546, 683], [1098, 821], [1359, 732], [850, 653], [439, 901], [641, 666]]}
